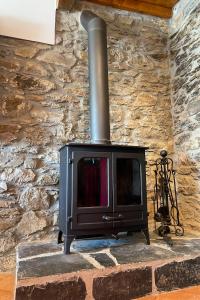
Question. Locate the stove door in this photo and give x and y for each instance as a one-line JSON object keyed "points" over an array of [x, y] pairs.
{"points": [[92, 190], [129, 189]]}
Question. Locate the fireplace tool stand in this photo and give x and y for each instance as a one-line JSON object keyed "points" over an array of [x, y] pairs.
{"points": [[166, 211]]}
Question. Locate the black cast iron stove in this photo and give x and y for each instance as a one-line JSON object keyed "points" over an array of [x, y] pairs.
{"points": [[102, 191], [102, 186]]}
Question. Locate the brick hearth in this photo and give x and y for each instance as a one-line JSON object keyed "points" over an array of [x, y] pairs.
{"points": [[108, 269]]}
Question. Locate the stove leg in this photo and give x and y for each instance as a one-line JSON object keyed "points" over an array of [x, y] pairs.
{"points": [[146, 233], [67, 242], [60, 234]]}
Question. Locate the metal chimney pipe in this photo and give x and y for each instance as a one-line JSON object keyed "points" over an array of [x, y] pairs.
{"points": [[98, 77]]}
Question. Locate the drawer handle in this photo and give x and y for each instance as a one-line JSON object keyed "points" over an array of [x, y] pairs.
{"points": [[108, 218]]}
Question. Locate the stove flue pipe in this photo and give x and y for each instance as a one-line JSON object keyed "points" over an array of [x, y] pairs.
{"points": [[98, 77]]}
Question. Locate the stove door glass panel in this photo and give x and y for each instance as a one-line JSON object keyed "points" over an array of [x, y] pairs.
{"points": [[92, 182], [128, 181]]}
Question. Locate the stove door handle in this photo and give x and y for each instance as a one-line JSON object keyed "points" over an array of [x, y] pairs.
{"points": [[108, 218]]}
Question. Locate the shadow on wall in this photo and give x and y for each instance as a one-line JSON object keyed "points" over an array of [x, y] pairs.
{"points": [[188, 192]]}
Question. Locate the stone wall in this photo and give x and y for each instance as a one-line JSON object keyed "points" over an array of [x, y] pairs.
{"points": [[44, 104], [185, 79]]}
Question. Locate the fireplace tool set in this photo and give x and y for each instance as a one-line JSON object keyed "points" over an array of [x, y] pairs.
{"points": [[166, 211]]}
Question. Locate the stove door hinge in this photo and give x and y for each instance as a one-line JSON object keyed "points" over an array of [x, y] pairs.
{"points": [[70, 161], [69, 219]]}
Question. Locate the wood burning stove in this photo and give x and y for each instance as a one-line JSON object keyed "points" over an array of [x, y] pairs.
{"points": [[102, 186], [102, 191]]}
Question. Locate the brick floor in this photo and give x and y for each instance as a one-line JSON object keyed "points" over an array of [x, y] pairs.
{"points": [[7, 286], [192, 293]]}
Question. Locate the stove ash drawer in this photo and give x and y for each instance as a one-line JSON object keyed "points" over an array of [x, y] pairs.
{"points": [[108, 220], [128, 218], [94, 220]]}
